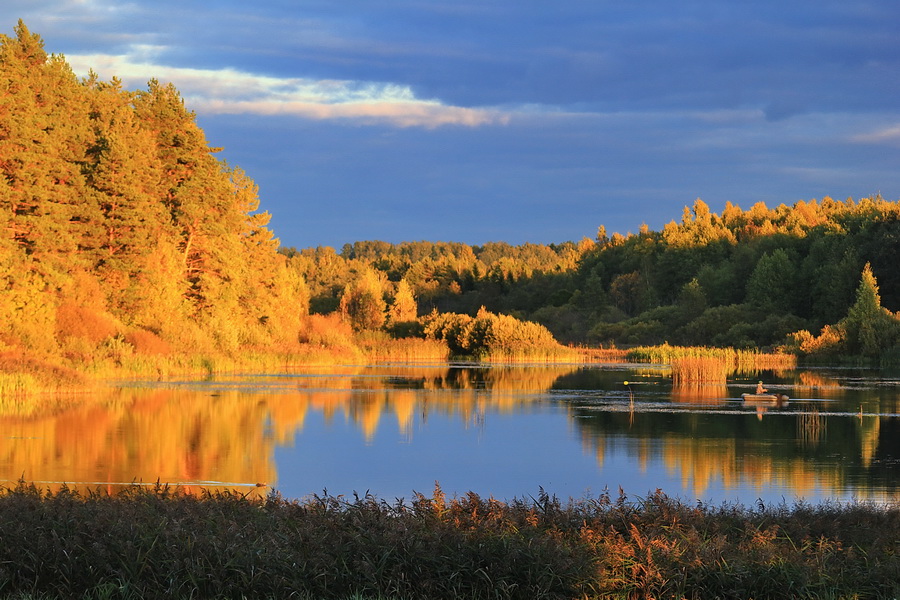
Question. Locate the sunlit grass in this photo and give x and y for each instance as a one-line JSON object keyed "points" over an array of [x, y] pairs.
{"points": [[539, 355], [700, 369], [602, 355], [23, 374], [736, 360], [379, 346]]}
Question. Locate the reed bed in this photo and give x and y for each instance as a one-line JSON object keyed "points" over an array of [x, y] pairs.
{"points": [[602, 355], [386, 348], [23, 374], [696, 359], [537, 355], [160, 542], [700, 370]]}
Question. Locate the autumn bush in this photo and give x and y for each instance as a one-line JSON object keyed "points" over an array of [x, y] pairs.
{"points": [[24, 373], [74, 321], [493, 337], [147, 342]]}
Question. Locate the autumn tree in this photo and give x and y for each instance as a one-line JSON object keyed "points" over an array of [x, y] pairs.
{"points": [[42, 144], [362, 303], [404, 307]]}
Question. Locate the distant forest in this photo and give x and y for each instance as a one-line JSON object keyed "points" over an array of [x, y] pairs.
{"points": [[743, 278], [124, 234]]}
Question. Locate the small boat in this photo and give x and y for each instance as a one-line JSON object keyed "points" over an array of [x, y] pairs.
{"points": [[763, 402], [765, 397]]}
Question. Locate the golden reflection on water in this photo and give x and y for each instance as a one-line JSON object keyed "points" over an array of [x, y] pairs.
{"points": [[217, 438], [225, 435]]}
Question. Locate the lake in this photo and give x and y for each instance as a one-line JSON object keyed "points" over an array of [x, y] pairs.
{"points": [[503, 431]]}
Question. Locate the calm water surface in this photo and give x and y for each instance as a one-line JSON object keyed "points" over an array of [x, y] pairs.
{"points": [[504, 431]]}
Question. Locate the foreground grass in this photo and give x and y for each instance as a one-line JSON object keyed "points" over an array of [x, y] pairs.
{"points": [[162, 543]]}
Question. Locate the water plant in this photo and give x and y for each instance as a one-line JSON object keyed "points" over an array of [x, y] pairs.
{"points": [[701, 369]]}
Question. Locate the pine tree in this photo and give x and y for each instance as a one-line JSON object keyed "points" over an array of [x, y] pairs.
{"points": [[42, 143], [869, 328]]}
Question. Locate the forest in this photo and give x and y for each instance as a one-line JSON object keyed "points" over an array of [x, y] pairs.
{"points": [[760, 278], [128, 244]]}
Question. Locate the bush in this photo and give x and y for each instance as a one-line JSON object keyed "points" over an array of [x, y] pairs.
{"points": [[147, 342], [492, 336], [73, 321]]}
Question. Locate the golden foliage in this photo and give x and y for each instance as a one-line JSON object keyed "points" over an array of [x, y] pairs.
{"points": [[147, 342], [828, 342], [25, 373], [82, 322], [327, 331]]}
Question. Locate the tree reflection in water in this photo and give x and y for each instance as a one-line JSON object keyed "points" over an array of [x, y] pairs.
{"points": [[839, 439]]}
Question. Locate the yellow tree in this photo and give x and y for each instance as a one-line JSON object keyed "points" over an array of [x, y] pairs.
{"points": [[404, 307], [362, 303]]}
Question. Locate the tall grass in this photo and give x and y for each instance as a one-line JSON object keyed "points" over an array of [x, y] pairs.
{"points": [[162, 543], [700, 369], [603, 355], [379, 346], [736, 360], [542, 355], [25, 374]]}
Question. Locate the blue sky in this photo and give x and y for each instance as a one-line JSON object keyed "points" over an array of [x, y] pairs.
{"points": [[512, 120]]}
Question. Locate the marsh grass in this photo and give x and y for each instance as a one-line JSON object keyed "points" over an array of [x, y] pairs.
{"points": [[22, 374], [379, 346], [538, 355], [701, 363], [159, 542], [701, 369], [602, 355]]}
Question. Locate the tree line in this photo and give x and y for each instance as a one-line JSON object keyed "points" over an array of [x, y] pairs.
{"points": [[745, 278], [124, 233]]}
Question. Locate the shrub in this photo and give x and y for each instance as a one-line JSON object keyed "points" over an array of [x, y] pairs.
{"points": [[494, 337], [326, 330], [82, 322], [147, 342]]}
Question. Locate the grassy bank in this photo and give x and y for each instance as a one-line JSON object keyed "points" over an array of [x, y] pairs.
{"points": [[161, 543]]}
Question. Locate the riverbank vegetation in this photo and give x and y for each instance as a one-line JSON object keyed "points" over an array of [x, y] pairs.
{"points": [[159, 542]]}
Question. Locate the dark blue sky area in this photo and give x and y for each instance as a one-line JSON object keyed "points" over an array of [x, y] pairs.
{"points": [[514, 121]]}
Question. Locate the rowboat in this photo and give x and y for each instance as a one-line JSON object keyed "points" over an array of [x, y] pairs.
{"points": [[762, 398]]}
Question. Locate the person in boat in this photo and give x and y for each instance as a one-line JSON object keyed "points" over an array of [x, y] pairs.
{"points": [[760, 389]]}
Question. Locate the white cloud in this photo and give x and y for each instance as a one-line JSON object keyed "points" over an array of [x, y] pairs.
{"points": [[889, 134], [229, 91]]}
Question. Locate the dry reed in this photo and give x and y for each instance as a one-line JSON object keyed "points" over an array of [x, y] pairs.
{"points": [[160, 543], [699, 370]]}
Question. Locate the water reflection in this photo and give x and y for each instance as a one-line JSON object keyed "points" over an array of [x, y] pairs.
{"points": [[500, 430]]}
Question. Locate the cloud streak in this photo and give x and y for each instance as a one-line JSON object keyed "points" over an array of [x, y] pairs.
{"points": [[230, 91]]}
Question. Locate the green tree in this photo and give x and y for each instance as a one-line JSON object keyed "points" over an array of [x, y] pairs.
{"points": [[773, 282], [869, 329]]}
